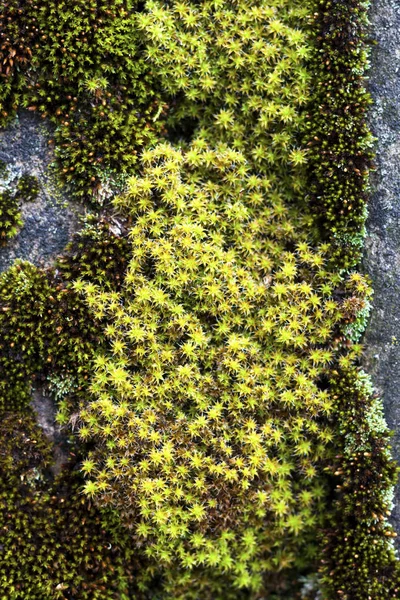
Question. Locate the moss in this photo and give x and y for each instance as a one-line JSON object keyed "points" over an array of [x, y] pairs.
{"points": [[10, 216], [340, 142], [201, 334], [3, 169], [81, 65], [45, 328], [99, 253], [210, 377], [53, 543], [359, 559], [17, 36], [28, 188]]}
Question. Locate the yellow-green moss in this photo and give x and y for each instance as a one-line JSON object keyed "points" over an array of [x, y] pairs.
{"points": [[203, 337]]}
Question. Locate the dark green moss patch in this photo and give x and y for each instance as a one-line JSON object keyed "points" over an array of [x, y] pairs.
{"points": [[3, 168], [45, 328], [53, 543], [81, 65], [339, 141], [99, 253], [359, 559], [10, 216], [28, 188]]}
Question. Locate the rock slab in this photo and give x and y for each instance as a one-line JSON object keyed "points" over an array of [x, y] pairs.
{"points": [[382, 247], [50, 221]]}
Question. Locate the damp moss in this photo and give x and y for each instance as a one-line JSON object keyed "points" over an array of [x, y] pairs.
{"points": [[10, 216], [44, 327], [3, 168], [81, 65], [53, 543], [27, 188], [200, 334]]}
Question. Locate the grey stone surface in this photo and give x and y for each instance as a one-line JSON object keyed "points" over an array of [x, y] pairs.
{"points": [[382, 250], [45, 409], [51, 219], [48, 224]]}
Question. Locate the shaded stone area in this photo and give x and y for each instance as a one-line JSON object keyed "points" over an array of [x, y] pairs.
{"points": [[49, 221], [45, 409], [382, 250]]}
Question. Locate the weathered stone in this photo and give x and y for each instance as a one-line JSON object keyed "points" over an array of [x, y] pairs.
{"points": [[45, 409], [48, 224], [52, 218], [382, 249]]}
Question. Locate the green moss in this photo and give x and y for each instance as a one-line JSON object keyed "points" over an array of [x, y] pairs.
{"points": [[201, 334], [45, 328], [3, 168], [359, 559], [10, 216], [28, 188], [99, 253], [208, 396], [53, 543], [81, 65], [17, 37], [340, 142]]}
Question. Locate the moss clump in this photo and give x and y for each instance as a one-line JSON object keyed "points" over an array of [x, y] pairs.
{"points": [[84, 69], [204, 340], [53, 544], [28, 188], [209, 395], [239, 71], [341, 144], [360, 560], [45, 329], [3, 168], [99, 253], [10, 216], [16, 41]]}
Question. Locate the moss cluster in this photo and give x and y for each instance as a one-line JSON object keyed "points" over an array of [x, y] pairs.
{"points": [[80, 64], [208, 402], [44, 329], [10, 216], [98, 253], [201, 334], [3, 168], [359, 558], [28, 188], [340, 147], [53, 543]]}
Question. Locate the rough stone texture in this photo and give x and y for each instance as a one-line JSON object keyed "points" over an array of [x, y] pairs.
{"points": [[382, 251], [51, 219], [48, 225], [45, 409]]}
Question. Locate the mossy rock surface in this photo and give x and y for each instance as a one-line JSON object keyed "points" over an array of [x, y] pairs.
{"points": [[49, 217], [382, 245], [192, 356]]}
